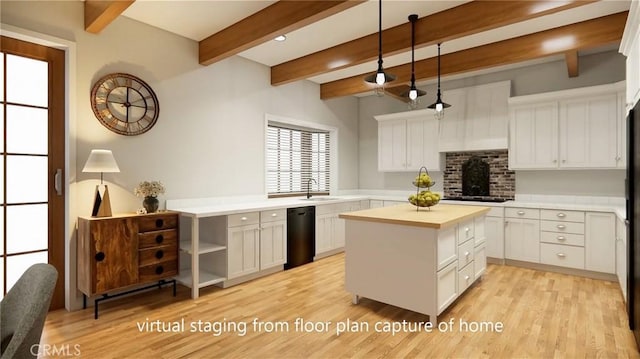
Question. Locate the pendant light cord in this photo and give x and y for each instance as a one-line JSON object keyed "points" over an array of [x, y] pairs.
{"points": [[380, 34], [439, 71], [413, 44]]}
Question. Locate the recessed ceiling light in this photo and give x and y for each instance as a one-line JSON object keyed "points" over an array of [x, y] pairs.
{"points": [[280, 38]]}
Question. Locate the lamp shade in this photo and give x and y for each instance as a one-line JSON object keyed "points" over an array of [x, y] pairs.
{"points": [[101, 161]]}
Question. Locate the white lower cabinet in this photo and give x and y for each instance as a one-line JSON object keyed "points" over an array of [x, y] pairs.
{"points": [[621, 256], [522, 239], [479, 261], [324, 232], [447, 286], [600, 249], [273, 244], [243, 250], [330, 236], [562, 255]]}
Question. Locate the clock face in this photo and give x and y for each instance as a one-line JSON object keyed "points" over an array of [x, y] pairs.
{"points": [[124, 104]]}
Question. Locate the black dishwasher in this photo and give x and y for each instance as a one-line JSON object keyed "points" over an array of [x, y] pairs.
{"points": [[301, 236]]}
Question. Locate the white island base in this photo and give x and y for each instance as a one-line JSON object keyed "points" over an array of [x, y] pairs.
{"points": [[420, 261]]}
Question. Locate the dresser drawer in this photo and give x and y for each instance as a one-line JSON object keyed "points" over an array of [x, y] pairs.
{"points": [[157, 222], [465, 253], [273, 215], [158, 271], [241, 219], [562, 227], [465, 231], [561, 215], [562, 238], [563, 256], [157, 254], [528, 213], [158, 238], [465, 278]]}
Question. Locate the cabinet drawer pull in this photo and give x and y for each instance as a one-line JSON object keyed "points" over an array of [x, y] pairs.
{"points": [[466, 254], [274, 215], [159, 238], [561, 255], [159, 269], [520, 213], [561, 226], [159, 254], [466, 229], [159, 223], [561, 215], [243, 218], [561, 238], [100, 256], [466, 277]]}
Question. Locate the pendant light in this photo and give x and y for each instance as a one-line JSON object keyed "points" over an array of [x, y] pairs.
{"points": [[413, 92], [380, 77], [439, 106]]}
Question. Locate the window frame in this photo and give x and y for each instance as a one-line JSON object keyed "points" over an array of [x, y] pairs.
{"points": [[312, 126]]}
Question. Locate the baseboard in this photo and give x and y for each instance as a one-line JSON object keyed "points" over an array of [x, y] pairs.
{"points": [[252, 276], [563, 270]]}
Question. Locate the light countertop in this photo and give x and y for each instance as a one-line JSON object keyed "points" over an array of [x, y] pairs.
{"points": [[439, 216]]}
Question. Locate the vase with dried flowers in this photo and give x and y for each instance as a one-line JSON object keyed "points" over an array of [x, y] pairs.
{"points": [[150, 191]]}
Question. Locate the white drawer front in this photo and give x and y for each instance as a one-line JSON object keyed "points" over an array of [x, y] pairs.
{"points": [[563, 256], [447, 248], [528, 213], [465, 253], [496, 212], [479, 231], [325, 209], [447, 286], [241, 219], [273, 215], [561, 215], [465, 277], [562, 238], [562, 227], [465, 231]]}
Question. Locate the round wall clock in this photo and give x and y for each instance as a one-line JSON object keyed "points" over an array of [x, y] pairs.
{"points": [[124, 104]]}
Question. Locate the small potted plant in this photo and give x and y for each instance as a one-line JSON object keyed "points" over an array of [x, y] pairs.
{"points": [[150, 191]]}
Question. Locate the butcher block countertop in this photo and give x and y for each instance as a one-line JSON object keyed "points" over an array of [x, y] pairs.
{"points": [[440, 215]]}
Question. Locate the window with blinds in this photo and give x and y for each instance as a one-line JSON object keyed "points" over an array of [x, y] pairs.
{"points": [[294, 156]]}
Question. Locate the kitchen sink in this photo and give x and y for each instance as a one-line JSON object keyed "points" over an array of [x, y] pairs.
{"points": [[318, 199]]}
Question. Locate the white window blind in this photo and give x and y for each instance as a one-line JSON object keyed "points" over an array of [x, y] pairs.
{"points": [[294, 156]]}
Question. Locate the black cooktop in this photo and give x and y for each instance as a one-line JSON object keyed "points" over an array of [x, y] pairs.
{"points": [[477, 199]]}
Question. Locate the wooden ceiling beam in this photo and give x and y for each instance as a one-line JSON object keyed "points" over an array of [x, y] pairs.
{"points": [[571, 58], [583, 35], [280, 18], [397, 92], [463, 20], [98, 14]]}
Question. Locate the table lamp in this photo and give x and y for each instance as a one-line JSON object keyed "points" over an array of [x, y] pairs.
{"points": [[101, 161]]}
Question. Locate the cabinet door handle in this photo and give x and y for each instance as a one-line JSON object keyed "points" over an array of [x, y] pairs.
{"points": [[159, 254], [159, 223], [57, 182], [561, 255], [159, 270], [555, 161], [243, 218], [617, 158], [100, 256], [159, 238], [274, 215], [561, 215], [561, 226], [466, 277], [520, 213], [561, 238], [564, 161], [466, 254], [466, 229]]}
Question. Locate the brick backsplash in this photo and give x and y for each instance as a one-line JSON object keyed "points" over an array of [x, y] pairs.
{"points": [[502, 181]]}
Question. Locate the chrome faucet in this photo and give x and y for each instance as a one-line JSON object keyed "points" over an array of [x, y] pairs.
{"points": [[309, 187]]}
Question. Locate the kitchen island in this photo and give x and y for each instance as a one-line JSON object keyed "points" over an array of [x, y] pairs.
{"points": [[416, 260]]}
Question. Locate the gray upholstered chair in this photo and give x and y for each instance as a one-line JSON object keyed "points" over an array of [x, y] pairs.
{"points": [[23, 311]]}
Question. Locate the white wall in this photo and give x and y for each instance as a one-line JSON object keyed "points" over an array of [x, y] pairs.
{"points": [[595, 69], [209, 138]]}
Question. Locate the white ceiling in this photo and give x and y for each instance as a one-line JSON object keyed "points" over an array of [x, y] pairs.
{"points": [[197, 20]]}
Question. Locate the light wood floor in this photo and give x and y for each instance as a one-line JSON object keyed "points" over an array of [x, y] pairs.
{"points": [[544, 315]]}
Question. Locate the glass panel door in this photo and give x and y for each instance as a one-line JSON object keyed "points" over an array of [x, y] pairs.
{"points": [[32, 151]]}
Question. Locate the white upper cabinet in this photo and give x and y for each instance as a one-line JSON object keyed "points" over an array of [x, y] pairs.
{"points": [[578, 128], [588, 132], [408, 141], [533, 140], [477, 119], [622, 132], [630, 47]]}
